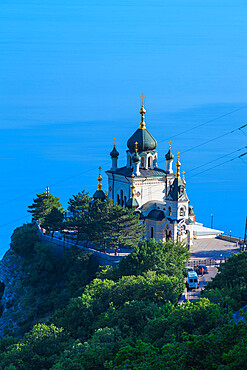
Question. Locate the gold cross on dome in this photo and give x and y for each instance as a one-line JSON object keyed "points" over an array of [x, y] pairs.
{"points": [[142, 96], [170, 144], [114, 139]]}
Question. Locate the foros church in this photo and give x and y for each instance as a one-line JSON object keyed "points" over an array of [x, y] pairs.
{"points": [[158, 195]]}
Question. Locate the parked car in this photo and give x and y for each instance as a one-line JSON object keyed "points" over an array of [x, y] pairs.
{"points": [[201, 269], [189, 268]]}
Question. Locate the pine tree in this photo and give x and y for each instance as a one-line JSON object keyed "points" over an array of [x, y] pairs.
{"points": [[113, 225], [53, 221], [76, 226], [125, 229], [42, 206], [98, 216]]}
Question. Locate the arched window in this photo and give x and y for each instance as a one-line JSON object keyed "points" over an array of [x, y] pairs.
{"points": [[118, 200], [170, 211], [121, 197], [182, 213], [142, 161], [149, 161], [125, 201], [152, 232]]}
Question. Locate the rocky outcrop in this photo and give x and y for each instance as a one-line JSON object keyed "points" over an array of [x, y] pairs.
{"points": [[11, 292]]}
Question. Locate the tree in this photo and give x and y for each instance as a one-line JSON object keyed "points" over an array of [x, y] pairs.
{"points": [[24, 239], [53, 220], [42, 205], [229, 287], [76, 226], [98, 217], [124, 228], [168, 258], [79, 204]]}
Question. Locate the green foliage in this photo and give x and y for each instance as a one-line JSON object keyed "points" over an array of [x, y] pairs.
{"points": [[103, 223], [53, 221], [77, 226], [23, 240], [229, 287], [39, 348], [122, 228], [127, 317], [42, 205], [224, 348], [78, 317], [193, 318], [169, 258]]}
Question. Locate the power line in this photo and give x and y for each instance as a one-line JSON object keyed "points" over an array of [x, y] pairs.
{"points": [[218, 137], [84, 172], [11, 222], [55, 183], [205, 123], [230, 160], [223, 156]]}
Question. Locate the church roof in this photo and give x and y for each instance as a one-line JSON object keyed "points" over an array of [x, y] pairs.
{"points": [[156, 215], [132, 203], [127, 171], [144, 139], [169, 155], [99, 194], [114, 153], [177, 191]]}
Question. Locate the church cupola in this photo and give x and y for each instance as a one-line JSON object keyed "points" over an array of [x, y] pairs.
{"points": [[132, 202], [178, 165], [114, 156], [136, 159], [99, 194], [184, 182], [169, 159], [145, 140]]}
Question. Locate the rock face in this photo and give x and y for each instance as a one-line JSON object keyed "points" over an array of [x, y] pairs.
{"points": [[11, 292]]}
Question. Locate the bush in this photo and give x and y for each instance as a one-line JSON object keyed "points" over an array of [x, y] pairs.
{"points": [[23, 240]]}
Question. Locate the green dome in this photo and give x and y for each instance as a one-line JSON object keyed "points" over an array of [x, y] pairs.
{"points": [[144, 139], [132, 203], [169, 155], [114, 153], [99, 194]]}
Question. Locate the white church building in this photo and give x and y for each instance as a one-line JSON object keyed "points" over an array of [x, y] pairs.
{"points": [[159, 195]]}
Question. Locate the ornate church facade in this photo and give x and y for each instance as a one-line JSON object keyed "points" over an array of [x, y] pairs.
{"points": [[158, 195]]}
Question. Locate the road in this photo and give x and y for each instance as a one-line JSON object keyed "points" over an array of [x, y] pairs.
{"points": [[203, 281]]}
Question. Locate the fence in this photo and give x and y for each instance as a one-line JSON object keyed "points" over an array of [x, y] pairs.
{"points": [[207, 262], [61, 245]]}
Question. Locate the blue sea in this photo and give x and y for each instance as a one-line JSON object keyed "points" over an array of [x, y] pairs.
{"points": [[71, 78]]}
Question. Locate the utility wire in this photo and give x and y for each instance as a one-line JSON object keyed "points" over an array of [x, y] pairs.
{"points": [[218, 137], [223, 156], [11, 222], [230, 160], [84, 172], [55, 183], [240, 156], [205, 123]]}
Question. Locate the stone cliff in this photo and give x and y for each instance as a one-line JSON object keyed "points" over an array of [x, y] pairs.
{"points": [[11, 292]]}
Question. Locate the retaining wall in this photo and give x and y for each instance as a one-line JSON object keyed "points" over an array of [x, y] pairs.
{"points": [[61, 246]]}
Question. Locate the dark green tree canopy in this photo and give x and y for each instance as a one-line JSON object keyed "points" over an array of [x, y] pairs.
{"points": [[53, 221], [23, 239], [42, 205]]}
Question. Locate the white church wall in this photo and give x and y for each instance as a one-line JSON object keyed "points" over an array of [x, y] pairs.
{"points": [[149, 189]]}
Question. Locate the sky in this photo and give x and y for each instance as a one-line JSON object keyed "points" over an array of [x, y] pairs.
{"points": [[72, 73]]}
